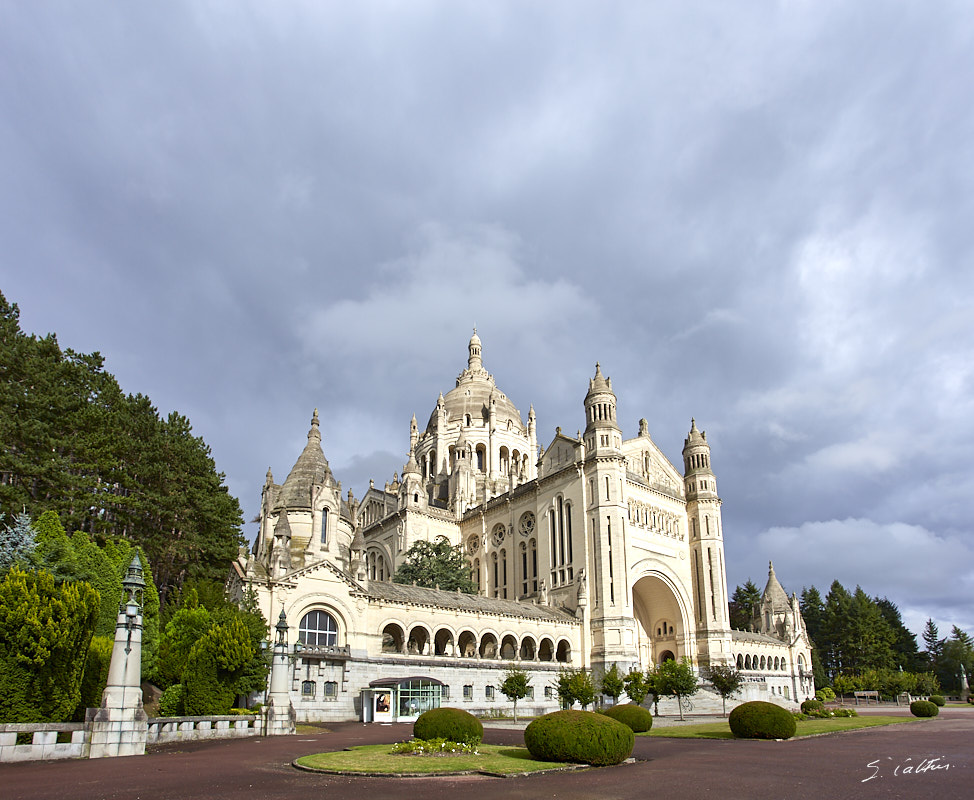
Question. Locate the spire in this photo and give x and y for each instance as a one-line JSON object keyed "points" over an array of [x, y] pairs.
{"points": [[474, 361], [269, 478], [314, 433]]}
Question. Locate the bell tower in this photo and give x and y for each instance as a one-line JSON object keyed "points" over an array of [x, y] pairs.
{"points": [[708, 573]]}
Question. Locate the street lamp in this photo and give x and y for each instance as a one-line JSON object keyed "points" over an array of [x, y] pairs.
{"points": [[133, 588]]}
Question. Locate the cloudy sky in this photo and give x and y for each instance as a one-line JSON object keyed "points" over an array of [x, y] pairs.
{"points": [[749, 213]]}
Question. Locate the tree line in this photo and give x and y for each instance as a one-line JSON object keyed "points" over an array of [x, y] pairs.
{"points": [[861, 642], [106, 462]]}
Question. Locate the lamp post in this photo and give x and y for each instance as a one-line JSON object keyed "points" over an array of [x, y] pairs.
{"points": [[119, 727], [280, 713]]}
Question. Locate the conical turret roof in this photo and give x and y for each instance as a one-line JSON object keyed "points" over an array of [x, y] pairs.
{"points": [[774, 592], [310, 470]]}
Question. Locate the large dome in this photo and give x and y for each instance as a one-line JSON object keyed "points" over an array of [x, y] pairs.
{"points": [[472, 395]]}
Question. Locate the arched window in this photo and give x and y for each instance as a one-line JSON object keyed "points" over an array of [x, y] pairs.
{"points": [[740, 661], [318, 628], [324, 526]]}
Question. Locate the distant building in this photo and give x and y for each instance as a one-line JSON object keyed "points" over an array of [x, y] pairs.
{"points": [[592, 551]]}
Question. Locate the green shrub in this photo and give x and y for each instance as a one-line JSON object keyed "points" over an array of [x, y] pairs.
{"points": [[452, 724], [636, 717], [172, 701], [843, 712], [812, 705], [581, 737], [938, 700], [825, 694], [924, 708], [761, 720]]}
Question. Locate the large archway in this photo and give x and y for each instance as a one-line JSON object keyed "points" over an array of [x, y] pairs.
{"points": [[662, 622]]}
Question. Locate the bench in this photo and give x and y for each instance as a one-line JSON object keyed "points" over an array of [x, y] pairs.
{"points": [[867, 696]]}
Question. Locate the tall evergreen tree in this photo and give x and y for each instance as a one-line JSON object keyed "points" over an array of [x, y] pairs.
{"points": [[834, 639], [73, 443], [933, 645], [869, 638], [742, 604], [905, 652]]}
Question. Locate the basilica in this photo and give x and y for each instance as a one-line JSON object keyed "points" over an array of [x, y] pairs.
{"points": [[586, 551]]}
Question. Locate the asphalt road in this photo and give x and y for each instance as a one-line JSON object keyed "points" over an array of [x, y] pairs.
{"points": [[877, 763]]}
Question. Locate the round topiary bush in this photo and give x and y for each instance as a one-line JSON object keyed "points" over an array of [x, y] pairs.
{"points": [[636, 717], [812, 705], [581, 737], [453, 724], [938, 700], [761, 720], [924, 708]]}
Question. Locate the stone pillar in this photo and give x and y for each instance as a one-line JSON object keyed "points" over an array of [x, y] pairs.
{"points": [[279, 715], [120, 726]]}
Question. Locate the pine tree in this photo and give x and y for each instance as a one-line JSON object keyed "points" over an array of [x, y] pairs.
{"points": [[17, 542], [932, 643], [742, 605], [905, 652]]}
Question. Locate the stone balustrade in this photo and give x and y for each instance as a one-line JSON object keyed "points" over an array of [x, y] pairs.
{"points": [[174, 729], [48, 741], [55, 740]]}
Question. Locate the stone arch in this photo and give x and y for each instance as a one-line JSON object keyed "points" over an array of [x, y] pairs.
{"points": [[546, 650], [563, 654], [740, 661], [467, 644], [528, 650], [443, 642], [762, 663], [393, 638], [418, 642], [488, 646], [747, 661], [661, 610], [508, 647], [666, 655]]}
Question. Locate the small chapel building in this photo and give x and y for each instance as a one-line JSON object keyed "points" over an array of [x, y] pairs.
{"points": [[591, 551]]}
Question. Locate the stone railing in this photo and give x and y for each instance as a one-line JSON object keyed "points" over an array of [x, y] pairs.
{"points": [[175, 729], [47, 741]]}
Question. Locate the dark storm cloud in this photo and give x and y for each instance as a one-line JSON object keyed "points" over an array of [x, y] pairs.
{"points": [[755, 215]]}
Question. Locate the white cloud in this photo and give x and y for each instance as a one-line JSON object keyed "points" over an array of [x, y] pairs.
{"points": [[915, 567]]}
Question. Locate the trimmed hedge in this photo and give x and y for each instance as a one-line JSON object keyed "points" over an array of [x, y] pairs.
{"points": [[924, 708], [761, 720], [453, 724], [581, 737], [636, 717], [812, 705], [938, 700]]}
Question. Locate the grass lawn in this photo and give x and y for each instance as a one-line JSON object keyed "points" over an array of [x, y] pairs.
{"points": [[376, 758], [808, 727]]}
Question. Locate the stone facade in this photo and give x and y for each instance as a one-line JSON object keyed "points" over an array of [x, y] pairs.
{"points": [[592, 551]]}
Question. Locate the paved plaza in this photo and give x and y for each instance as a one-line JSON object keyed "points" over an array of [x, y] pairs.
{"points": [[924, 759]]}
